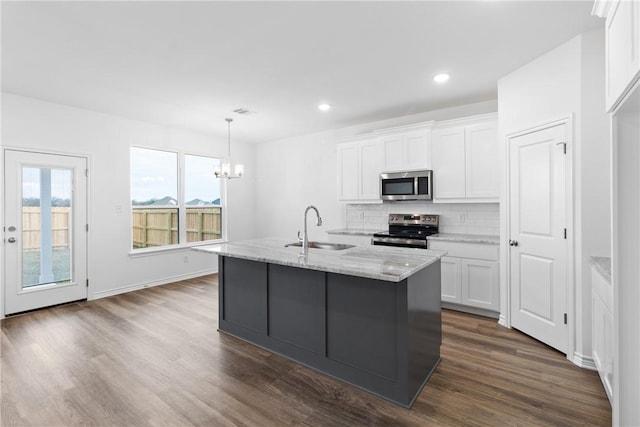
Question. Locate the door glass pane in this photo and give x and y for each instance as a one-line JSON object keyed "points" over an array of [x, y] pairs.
{"points": [[46, 231]]}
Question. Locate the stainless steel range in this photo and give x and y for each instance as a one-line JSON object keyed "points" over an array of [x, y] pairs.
{"points": [[408, 231]]}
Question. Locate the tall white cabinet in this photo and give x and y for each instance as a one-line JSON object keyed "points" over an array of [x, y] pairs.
{"points": [[622, 88], [465, 160]]}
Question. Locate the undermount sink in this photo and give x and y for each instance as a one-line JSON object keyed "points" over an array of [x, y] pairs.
{"points": [[323, 245]]}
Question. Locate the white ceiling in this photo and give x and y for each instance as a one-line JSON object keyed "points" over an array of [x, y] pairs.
{"points": [[189, 64]]}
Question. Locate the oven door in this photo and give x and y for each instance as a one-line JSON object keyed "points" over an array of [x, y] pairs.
{"points": [[400, 242]]}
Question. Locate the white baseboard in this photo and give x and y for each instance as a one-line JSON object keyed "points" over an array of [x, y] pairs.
{"points": [[502, 321], [584, 361], [471, 310], [138, 286]]}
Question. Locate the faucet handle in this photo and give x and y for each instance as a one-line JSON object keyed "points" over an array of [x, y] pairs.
{"points": [[299, 238]]}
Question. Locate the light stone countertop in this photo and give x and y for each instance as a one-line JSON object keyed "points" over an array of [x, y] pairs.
{"points": [[354, 231], [374, 262], [466, 238], [603, 265]]}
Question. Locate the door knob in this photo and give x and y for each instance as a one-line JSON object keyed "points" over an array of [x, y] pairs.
{"points": [[513, 243], [11, 239]]}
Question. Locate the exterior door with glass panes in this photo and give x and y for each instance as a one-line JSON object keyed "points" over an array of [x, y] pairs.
{"points": [[45, 230]]}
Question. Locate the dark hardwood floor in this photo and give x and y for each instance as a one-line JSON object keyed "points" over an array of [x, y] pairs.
{"points": [[154, 358]]}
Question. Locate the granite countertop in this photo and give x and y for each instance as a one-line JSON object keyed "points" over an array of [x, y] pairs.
{"points": [[374, 262], [467, 238], [354, 231], [603, 265]]}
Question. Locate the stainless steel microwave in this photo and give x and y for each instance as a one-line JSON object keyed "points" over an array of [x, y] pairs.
{"points": [[410, 185]]}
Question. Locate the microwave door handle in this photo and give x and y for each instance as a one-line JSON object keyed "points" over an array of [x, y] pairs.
{"points": [[415, 186]]}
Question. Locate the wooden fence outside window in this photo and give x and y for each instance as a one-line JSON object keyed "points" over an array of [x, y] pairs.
{"points": [[151, 227], [159, 227], [60, 220]]}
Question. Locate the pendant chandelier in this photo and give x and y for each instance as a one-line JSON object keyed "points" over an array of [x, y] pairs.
{"points": [[224, 171]]}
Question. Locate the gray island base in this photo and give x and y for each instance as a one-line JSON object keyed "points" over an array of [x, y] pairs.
{"points": [[380, 333]]}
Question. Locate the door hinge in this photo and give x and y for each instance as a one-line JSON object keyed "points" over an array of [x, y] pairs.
{"points": [[565, 233], [87, 283], [86, 173], [565, 318], [87, 228], [564, 146]]}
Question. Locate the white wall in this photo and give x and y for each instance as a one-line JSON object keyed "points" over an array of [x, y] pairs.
{"points": [[295, 172], [593, 171], [33, 124], [568, 80], [465, 218]]}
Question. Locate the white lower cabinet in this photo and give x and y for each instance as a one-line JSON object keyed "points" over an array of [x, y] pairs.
{"points": [[451, 278], [469, 275], [479, 283], [602, 329]]}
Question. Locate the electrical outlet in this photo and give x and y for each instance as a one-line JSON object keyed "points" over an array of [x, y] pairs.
{"points": [[118, 209], [185, 259], [463, 217]]}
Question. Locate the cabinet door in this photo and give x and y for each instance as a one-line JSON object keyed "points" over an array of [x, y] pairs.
{"points": [[480, 285], [370, 153], [451, 279], [393, 153], [416, 153], [448, 161], [481, 160], [348, 172], [622, 48]]}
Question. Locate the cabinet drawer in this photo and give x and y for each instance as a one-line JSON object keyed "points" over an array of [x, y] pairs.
{"points": [[466, 250]]}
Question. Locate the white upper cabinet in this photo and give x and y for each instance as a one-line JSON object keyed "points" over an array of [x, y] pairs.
{"points": [[348, 161], [465, 160], [359, 166], [481, 160], [448, 160], [622, 31], [406, 148]]}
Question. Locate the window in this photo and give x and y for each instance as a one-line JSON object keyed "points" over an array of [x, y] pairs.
{"points": [[202, 195], [169, 208]]}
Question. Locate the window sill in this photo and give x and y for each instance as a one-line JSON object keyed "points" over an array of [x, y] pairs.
{"points": [[138, 253]]}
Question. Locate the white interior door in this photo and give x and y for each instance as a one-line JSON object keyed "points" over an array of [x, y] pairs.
{"points": [[537, 235], [45, 236]]}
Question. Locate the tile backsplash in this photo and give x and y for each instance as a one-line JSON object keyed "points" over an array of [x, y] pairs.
{"points": [[467, 218]]}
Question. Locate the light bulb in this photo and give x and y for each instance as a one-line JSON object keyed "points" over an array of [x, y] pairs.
{"points": [[239, 170], [226, 169]]}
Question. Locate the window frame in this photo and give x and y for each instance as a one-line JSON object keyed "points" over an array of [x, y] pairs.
{"points": [[181, 206]]}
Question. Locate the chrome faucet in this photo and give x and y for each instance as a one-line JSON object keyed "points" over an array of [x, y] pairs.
{"points": [[305, 237]]}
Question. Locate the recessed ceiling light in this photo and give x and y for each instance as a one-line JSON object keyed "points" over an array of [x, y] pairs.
{"points": [[324, 107], [441, 78]]}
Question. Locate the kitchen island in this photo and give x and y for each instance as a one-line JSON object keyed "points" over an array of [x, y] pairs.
{"points": [[367, 315]]}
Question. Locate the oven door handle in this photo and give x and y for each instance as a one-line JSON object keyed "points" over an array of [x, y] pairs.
{"points": [[397, 241]]}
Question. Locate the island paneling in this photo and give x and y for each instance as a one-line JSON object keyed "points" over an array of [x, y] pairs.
{"points": [[379, 335]]}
